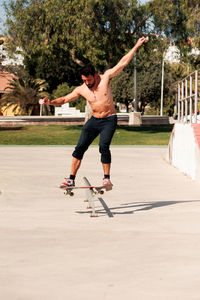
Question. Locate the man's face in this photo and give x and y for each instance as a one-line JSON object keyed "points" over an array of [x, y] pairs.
{"points": [[88, 80]]}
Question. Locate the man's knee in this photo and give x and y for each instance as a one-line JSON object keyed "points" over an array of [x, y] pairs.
{"points": [[79, 151], [105, 153]]}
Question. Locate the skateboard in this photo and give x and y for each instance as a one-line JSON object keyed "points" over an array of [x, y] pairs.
{"points": [[95, 189]]}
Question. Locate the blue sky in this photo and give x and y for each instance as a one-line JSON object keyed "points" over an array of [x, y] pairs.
{"points": [[2, 13], [144, 1]]}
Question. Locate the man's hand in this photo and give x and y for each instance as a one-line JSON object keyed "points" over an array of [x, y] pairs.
{"points": [[45, 101], [141, 41]]}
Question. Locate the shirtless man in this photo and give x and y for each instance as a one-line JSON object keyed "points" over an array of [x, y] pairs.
{"points": [[96, 90]]}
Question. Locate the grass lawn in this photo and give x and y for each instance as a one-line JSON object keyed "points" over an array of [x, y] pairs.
{"points": [[68, 135]]}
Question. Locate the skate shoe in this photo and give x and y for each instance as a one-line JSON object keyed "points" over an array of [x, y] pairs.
{"points": [[107, 182], [67, 183]]}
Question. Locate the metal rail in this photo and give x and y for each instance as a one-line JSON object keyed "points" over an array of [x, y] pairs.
{"points": [[90, 196], [188, 98]]}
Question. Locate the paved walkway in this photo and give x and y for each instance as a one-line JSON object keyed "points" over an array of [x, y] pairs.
{"points": [[51, 248]]}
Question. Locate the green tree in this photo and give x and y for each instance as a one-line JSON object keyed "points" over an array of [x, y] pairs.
{"points": [[58, 36], [149, 61], [179, 20], [122, 87], [62, 90]]}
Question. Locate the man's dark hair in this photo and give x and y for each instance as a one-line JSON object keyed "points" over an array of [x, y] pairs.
{"points": [[88, 70]]}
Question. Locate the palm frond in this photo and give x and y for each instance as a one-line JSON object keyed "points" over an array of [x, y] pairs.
{"points": [[25, 93]]}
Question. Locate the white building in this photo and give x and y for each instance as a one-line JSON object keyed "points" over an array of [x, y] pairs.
{"points": [[172, 54], [195, 52]]}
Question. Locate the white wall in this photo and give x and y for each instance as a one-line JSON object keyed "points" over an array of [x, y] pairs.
{"points": [[183, 152]]}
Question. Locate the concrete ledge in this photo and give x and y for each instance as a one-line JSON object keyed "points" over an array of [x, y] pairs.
{"points": [[184, 149], [123, 119], [155, 120], [49, 120], [37, 120]]}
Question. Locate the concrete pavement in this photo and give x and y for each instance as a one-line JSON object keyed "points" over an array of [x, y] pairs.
{"points": [[51, 248]]}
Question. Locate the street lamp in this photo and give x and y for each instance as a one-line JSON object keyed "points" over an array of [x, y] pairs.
{"points": [[135, 82], [162, 86]]}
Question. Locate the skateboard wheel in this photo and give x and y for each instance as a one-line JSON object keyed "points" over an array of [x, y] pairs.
{"points": [[71, 194], [101, 192]]}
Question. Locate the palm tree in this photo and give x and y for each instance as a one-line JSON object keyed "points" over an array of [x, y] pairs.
{"points": [[24, 94]]}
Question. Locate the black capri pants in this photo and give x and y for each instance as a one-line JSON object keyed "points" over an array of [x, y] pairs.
{"points": [[92, 128]]}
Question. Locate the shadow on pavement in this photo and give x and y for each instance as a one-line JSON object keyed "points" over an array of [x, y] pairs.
{"points": [[135, 207]]}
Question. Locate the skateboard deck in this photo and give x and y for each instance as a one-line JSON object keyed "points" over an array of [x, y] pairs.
{"points": [[95, 189]]}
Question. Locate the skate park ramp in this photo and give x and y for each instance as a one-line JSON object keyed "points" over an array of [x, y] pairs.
{"points": [[184, 149]]}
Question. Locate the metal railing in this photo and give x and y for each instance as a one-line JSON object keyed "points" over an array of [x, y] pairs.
{"points": [[188, 98]]}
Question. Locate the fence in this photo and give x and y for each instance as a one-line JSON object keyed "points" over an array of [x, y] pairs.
{"points": [[188, 98]]}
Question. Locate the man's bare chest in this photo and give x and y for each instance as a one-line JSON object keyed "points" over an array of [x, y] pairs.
{"points": [[101, 93]]}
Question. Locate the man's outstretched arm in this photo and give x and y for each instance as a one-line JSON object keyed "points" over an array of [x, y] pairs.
{"points": [[62, 100], [125, 59]]}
